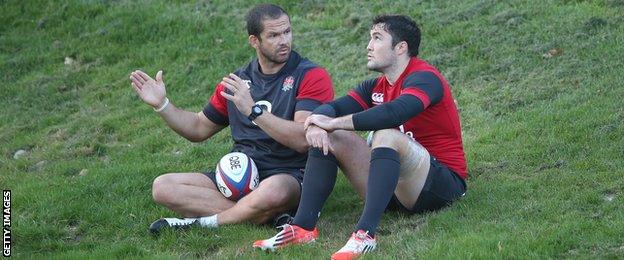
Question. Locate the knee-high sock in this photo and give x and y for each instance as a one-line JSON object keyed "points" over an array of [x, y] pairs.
{"points": [[382, 181], [318, 183]]}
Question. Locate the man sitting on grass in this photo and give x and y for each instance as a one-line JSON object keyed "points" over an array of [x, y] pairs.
{"points": [[265, 103], [415, 162]]}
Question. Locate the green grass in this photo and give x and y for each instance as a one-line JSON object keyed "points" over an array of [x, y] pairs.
{"points": [[544, 136]]}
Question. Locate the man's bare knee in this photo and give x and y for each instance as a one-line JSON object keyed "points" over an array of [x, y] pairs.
{"points": [[162, 189], [403, 144], [388, 138]]}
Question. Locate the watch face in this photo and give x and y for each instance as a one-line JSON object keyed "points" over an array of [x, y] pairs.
{"points": [[257, 109]]}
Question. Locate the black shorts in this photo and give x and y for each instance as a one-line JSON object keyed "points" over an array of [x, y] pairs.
{"points": [[295, 173], [442, 187]]}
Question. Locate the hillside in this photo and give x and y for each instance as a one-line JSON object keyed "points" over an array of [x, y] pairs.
{"points": [[539, 86]]}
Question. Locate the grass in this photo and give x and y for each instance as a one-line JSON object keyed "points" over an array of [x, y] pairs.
{"points": [[543, 134]]}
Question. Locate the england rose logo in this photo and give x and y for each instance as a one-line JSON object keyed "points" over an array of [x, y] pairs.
{"points": [[288, 83]]}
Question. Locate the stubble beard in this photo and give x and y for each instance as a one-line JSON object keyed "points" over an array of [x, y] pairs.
{"points": [[274, 57], [373, 66]]}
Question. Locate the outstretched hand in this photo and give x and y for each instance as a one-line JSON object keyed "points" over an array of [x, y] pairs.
{"points": [[150, 91]]}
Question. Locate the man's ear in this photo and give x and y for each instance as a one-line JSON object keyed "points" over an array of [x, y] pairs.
{"points": [[253, 41], [401, 48]]}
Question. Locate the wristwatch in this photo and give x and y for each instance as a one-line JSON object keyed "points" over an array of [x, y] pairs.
{"points": [[256, 111]]}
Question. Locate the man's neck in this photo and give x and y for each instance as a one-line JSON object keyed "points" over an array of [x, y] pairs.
{"points": [[394, 72], [268, 67]]}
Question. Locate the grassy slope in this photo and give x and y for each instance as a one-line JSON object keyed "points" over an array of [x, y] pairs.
{"points": [[543, 136]]}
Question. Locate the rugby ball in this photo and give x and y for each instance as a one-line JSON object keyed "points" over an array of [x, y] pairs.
{"points": [[236, 175]]}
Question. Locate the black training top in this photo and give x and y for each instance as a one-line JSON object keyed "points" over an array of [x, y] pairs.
{"points": [[299, 85]]}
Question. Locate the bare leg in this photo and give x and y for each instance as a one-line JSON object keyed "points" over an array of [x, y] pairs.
{"points": [[414, 163], [195, 195], [275, 194], [189, 194], [353, 155]]}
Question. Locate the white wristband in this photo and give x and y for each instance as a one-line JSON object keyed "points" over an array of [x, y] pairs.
{"points": [[163, 106]]}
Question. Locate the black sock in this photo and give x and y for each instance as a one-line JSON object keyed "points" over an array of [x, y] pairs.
{"points": [[318, 183], [382, 181]]}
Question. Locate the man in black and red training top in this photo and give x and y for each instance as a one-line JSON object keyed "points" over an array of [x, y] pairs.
{"points": [[265, 103], [416, 160]]}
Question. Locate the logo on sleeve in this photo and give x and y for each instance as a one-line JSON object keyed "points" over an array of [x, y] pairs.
{"points": [[288, 83], [378, 98]]}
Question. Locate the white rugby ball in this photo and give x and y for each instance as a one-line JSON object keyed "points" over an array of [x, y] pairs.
{"points": [[236, 175]]}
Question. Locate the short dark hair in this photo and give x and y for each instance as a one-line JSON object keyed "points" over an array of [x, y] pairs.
{"points": [[260, 13], [401, 28]]}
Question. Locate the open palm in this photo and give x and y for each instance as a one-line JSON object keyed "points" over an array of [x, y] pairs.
{"points": [[151, 91]]}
